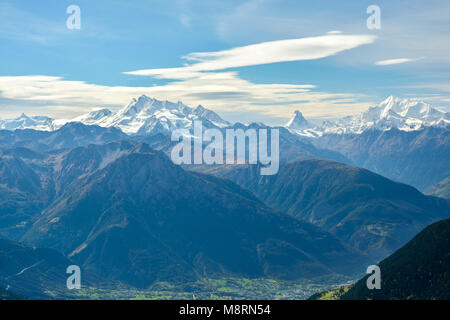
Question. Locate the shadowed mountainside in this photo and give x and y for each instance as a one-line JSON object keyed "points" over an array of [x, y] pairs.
{"points": [[363, 209], [419, 270], [419, 158], [126, 212]]}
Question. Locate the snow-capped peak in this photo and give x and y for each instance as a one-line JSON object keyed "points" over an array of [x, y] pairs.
{"points": [[93, 117], [409, 108], [146, 115], [299, 125], [393, 112], [210, 115], [28, 122], [403, 114], [298, 122], [143, 115]]}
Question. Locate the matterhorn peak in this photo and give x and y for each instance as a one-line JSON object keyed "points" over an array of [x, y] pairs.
{"points": [[298, 122]]}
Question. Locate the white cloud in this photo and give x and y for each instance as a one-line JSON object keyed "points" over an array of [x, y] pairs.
{"points": [[203, 82], [395, 61], [309, 48], [234, 98]]}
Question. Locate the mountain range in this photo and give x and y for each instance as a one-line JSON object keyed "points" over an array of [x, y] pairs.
{"points": [[100, 191], [142, 116], [418, 158], [406, 140], [126, 212], [392, 113], [367, 211], [146, 116]]}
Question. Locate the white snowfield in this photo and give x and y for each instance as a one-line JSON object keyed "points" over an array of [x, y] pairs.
{"points": [[149, 116]]}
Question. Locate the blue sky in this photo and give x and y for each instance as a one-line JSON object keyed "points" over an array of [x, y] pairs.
{"points": [[256, 60]]}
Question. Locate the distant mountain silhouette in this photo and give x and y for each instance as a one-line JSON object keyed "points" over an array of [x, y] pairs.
{"points": [[70, 135]]}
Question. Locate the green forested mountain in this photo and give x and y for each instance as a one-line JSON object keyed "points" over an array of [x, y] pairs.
{"points": [[363, 209], [419, 270], [126, 212], [418, 158], [31, 272]]}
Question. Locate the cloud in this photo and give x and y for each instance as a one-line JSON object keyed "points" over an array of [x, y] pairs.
{"points": [[395, 61], [223, 92], [413, 29], [309, 48], [205, 82]]}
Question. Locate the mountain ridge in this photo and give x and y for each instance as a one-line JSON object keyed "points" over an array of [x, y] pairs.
{"points": [[146, 115], [126, 212], [369, 212]]}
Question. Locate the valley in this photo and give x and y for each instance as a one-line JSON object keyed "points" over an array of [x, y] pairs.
{"points": [[143, 227]]}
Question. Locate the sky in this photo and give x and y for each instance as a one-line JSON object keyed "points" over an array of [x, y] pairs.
{"points": [[255, 60]]}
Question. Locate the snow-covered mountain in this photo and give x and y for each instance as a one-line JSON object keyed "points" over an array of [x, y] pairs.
{"points": [[146, 116], [25, 122], [93, 117], [141, 116], [403, 114], [298, 122], [149, 116], [301, 126]]}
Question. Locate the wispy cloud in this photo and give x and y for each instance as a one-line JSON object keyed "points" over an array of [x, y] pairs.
{"points": [[205, 82], [389, 62], [223, 92], [309, 48]]}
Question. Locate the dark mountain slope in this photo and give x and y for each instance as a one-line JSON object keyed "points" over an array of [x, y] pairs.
{"points": [[294, 147], [5, 295], [419, 270], [35, 273], [141, 218], [23, 190], [70, 135], [419, 158], [30, 180], [365, 210]]}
